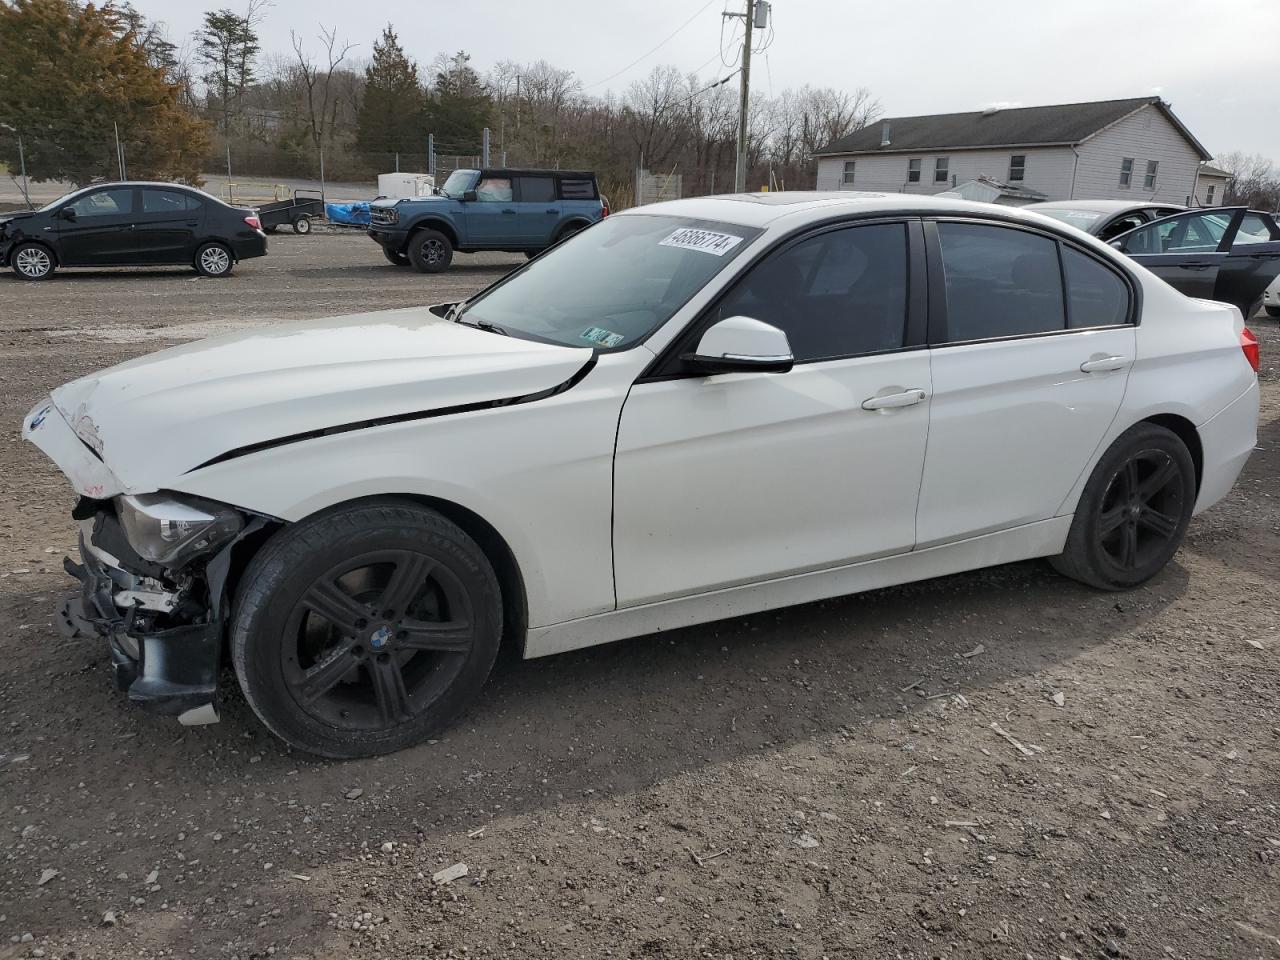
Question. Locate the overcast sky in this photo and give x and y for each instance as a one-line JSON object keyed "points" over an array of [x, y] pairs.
{"points": [[1213, 60]]}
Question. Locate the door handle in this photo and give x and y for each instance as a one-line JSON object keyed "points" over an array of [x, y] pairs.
{"points": [[508, 210], [193, 223], [1104, 365], [1196, 265], [552, 210], [907, 398]]}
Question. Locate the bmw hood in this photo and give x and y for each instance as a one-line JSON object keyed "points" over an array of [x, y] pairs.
{"points": [[136, 427]]}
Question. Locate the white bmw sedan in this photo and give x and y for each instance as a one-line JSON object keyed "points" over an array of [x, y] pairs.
{"points": [[689, 411]]}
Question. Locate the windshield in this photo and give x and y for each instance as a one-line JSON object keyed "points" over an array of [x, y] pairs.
{"points": [[612, 284], [1080, 219], [458, 183], [54, 204]]}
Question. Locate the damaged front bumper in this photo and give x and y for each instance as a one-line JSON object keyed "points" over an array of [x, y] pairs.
{"points": [[163, 627]]}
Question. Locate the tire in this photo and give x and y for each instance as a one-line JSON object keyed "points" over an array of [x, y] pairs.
{"points": [[302, 225], [271, 229], [1134, 511], [1273, 312], [430, 251], [214, 260], [361, 679], [395, 257], [33, 261]]}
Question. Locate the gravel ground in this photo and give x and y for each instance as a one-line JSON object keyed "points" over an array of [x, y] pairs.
{"points": [[823, 781]]}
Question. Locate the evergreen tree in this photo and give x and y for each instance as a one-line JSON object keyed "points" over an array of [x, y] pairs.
{"points": [[461, 106], [228, 47], [393, 111], [71, 75]]}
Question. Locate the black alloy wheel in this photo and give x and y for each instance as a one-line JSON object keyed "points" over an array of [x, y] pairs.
{"points": [[1134, 511], [365, 628], [376, 639], [430, 251]]}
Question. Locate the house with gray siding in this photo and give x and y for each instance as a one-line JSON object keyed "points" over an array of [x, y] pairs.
{"points": [[1112, 149]]}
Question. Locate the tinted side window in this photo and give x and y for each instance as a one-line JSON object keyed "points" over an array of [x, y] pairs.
{"points": [[838, 294], [1000, 282], [167, 201], [1254, 228], [1095, 295], [105, 203], [1121, 225], [578, 189], [536, 189]]}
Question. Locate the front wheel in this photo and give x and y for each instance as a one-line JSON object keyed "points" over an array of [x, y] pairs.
{"points": [[302, 225], [213, 260], [365, 629], [1134, 511], [430, 251], [31, 261], [395, 257]]}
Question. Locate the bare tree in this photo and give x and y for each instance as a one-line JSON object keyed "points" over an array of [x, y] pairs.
{"points": [[321, 86], [1254, 182]]}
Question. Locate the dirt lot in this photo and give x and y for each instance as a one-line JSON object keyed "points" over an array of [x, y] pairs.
{"points": [[819, 782]]}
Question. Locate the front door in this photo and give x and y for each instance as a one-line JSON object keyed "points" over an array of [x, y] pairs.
{"points": [[491, 216], [1028, 375], [1186, 250], [165, 230], [97, 229], [743, 477], [537, 209]]}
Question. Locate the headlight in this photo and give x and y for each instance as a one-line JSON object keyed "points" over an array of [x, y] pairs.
{"points": [[169, 531]]}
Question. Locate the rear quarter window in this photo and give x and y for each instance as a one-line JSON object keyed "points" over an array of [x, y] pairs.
{"points": [[578, 189]]}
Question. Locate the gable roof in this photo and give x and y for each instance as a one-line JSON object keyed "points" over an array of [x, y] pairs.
{"points": [[1063, 124], [1208, 170]]}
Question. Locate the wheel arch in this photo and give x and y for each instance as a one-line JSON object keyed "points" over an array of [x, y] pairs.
{"points": [[220, 241], [1186, 432], [37, 242], [515, 604], [573, 224], [432, 223]]}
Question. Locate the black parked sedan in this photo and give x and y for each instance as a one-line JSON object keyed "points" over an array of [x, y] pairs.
{"points": [[130, 225]]}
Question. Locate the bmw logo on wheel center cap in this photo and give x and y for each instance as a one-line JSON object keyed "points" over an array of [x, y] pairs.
{"points": [[380, 637]]}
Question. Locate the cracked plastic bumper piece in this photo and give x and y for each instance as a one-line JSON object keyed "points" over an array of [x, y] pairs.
{"points": [[172, 671]]}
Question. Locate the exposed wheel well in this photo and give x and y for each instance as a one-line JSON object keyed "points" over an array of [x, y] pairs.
{"points": [[573, 226], [439, 225], [1187, 433]]}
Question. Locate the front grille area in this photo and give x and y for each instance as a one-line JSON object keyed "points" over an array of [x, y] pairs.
{"points": [[384, 215]]}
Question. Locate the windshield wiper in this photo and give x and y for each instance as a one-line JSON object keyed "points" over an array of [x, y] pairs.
{"points": [[484, 325]]}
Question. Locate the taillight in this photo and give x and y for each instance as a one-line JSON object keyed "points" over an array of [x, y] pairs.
{"points": [[605, 205], [253, 222], [1249, 344]]}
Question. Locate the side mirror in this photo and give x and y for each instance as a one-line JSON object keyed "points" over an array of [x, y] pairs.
{"points": [[742, 345], [468, 195], [1118, 245], [66, 213]]}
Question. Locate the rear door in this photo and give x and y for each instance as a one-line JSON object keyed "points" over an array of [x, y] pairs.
{"points": [[100, 230], [167, 225], [1186, 250], [1252, 264], [1031, 341], [537, 209]]}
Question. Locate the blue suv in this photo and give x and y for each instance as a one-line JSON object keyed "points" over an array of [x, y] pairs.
{"points": [[517, 211]]}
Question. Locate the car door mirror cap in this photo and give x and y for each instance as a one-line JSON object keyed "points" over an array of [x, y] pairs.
{"points": [[66, 213], [468, 195], [742, 345]]}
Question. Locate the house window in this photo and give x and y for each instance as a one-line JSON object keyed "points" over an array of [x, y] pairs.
{"points": [[1017, 167], [913, 170], [940, 171], [1149, 181], [848, 170], [1208, 194], [1126, 172]]}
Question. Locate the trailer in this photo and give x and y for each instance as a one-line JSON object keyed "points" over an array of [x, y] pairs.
{"points": [[297, 211]]}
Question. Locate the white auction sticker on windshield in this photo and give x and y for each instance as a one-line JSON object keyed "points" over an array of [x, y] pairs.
{"points": [[707, 241]]}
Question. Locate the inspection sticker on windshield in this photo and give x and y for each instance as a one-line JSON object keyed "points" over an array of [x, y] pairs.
{"points": [[606, 338], [707, 241]]}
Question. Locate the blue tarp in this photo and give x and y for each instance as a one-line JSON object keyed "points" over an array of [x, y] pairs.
{"points": [[354, 214]]}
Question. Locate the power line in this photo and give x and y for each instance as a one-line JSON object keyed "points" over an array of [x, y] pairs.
{"points": [[677, 30]]}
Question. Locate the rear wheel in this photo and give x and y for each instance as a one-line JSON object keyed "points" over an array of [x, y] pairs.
{"points": [[213, 260], [396, 257], [364, 630], [31, 261], [430, 251], [1134, 511], [302, 225]]}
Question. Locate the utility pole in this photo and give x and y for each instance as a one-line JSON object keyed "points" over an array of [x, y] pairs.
{"points": [[756, 15]]}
